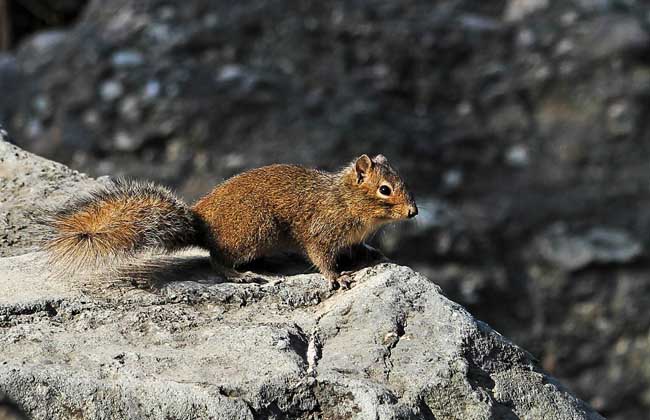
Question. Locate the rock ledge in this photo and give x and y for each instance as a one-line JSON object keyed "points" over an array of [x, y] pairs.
{"points": [[278, 346]]}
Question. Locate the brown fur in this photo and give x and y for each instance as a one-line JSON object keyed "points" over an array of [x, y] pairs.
{"points": [[289, 207], [254, 214], [118, 222]]}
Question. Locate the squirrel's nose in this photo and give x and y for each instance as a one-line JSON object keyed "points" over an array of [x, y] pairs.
{"points": [[413, 211]]}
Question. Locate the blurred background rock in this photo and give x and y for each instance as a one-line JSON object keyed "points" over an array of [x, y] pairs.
{"points": [[520, 125], [9, 410]]}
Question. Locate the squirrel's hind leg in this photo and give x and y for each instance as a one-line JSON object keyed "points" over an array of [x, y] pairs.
{"points": [[222, 267]]}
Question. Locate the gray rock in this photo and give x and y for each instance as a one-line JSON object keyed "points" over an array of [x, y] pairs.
{"points": [[9, 410], [111, 90], [598, 245], [196, 346], [127, 58], [45, 41], [519, 9], [613, 34], [9, 82], [518, 156], [151, 90], [391, 347], [27, 182]]}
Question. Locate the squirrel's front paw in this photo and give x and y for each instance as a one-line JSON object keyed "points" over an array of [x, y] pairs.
{"points": [[344, 281]]}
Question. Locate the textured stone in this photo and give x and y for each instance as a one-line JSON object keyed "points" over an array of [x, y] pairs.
{"points": [[599, 245], [194, 345], [9, 410], [519, 9], [27, 181]]}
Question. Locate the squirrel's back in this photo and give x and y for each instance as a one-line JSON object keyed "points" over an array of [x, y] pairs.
{"points": [[284, 190]]}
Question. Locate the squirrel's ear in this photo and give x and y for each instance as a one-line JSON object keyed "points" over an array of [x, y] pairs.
{"points": [[362, 166], [381, 159]]}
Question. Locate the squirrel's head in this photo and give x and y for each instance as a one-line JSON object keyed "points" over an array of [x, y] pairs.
{"points": [[387, 195]]}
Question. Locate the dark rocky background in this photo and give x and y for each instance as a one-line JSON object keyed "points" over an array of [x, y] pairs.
{"points": [[520, 125]]}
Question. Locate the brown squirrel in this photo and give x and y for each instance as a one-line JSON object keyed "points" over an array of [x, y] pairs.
{"points": [[251, 215]]}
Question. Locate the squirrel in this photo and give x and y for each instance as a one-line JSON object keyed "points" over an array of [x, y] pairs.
{"points": [[274, 208]]}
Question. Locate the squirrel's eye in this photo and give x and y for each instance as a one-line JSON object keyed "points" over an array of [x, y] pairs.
{"points": [[384, 190]]}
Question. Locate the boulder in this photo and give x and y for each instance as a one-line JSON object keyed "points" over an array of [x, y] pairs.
{"points": [[268, 345]]}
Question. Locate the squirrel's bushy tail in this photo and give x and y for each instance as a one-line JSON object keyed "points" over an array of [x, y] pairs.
{"points": [[119, 221]]}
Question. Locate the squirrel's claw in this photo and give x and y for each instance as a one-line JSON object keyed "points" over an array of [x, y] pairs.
{"points": [[344, 281]]}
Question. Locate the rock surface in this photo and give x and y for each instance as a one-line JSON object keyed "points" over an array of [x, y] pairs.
{"points": [[27, 181], [275, 346], [9, 410]]}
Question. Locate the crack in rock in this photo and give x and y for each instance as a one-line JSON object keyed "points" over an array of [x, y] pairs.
{"points": [[390, 341], [314, 350]]}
